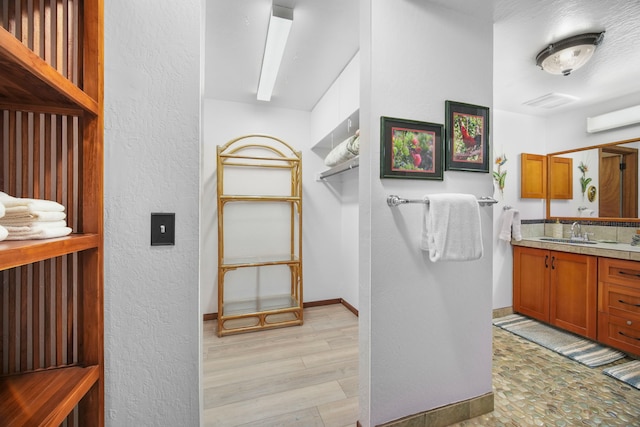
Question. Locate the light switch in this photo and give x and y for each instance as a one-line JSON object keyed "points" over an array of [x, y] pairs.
{"points": [[163, 229]]}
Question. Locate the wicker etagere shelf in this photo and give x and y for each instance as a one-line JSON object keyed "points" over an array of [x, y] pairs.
{"points": [[259, 234]]}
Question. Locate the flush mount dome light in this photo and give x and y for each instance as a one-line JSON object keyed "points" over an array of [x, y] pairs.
{"points": [[569, 54]]}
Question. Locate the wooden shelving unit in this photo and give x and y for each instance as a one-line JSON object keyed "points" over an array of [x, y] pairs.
{"points": [[51, 141], [254, 159]]}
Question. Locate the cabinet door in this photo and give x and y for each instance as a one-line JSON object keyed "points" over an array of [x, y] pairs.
{"points": [[533, 179], [531, 282], [573, 298]]}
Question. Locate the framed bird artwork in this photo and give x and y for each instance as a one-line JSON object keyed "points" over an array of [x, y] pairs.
{"points": [[411, 149], [467, 137]]}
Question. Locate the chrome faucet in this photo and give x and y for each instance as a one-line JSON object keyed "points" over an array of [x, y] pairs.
{"points": [[576, 235]]}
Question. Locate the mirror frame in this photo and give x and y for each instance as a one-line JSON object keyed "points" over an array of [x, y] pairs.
{"points": [[594, 219]]}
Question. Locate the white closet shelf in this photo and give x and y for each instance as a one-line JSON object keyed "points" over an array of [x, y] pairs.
{"points": [[342, 167]]}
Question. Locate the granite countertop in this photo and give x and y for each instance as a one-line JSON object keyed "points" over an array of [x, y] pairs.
{"points": [[603, 249]]}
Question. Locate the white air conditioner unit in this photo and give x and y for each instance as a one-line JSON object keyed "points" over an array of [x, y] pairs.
{"points": [[614, 119]]}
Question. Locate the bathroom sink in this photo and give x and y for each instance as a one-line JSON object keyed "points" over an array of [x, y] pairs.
{"points": [[560, 240]]}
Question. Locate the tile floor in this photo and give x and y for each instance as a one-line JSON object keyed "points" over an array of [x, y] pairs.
{"points": [[533, 386]]}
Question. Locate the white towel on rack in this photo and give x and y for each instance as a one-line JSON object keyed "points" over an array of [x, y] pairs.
{"points": [[451, 228], [511, 225], [3, 233]]}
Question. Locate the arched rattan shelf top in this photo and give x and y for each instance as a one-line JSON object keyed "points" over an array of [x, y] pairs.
{"points": [[235, 146]]}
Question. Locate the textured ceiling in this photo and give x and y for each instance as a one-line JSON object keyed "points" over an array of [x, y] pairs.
{"points": [[523, 28], [324, 37]]}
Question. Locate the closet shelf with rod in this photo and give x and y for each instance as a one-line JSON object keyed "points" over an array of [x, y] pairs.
{"points": [[394, 201]]}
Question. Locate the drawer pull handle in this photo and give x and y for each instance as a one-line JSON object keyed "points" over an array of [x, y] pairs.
{"points": [[628, 303], [624, 273], [628, 336], [546, 258]]}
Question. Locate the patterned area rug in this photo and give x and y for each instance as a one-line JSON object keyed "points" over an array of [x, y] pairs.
{"points": [[626, 372], [576, 348]]}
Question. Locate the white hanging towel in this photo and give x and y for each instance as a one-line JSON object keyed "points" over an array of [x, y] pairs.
{"points": [[451, 228], [511, 225]]}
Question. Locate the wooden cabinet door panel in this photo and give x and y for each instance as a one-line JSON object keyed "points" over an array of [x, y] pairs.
{"points": [[533, 176], [531, 282], [573, 293]]}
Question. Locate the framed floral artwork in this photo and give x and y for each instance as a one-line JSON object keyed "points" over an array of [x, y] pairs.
{"points": [[411, 149], [467, 137]]}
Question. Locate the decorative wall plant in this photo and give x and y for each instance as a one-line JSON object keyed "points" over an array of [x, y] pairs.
{"points": [[584, 181], [500, 175]]}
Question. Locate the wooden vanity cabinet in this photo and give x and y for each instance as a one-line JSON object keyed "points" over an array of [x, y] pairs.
{"points": [[531, 282], [556, 287], [619, 304]]}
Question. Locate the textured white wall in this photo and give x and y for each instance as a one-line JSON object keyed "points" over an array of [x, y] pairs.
{"points": [[152, 158], [323, 278], [513, 134], [425, 328]]}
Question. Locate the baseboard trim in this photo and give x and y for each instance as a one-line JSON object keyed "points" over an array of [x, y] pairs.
{"points": [[214, 316], [501, 312], [447, 415]]}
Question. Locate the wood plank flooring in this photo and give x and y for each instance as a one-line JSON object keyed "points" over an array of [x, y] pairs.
{"points": [[297, 376], [307, 376]]}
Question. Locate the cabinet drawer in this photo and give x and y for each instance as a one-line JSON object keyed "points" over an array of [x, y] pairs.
{"points": [[619, 332], [620, 300], [622, 272]]}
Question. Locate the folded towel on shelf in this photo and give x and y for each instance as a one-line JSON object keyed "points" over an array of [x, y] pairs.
{"points": [[451, 228], [346, 150], [511, 225], [27, 217], [40, 233], [32, 205], [3, 233], [2, 211], [17, 229]]}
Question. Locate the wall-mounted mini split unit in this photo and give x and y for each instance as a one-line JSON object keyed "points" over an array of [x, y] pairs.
{"points": [[614, 119]]}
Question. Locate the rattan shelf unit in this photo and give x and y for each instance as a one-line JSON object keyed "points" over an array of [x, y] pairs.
{"points": [[259, 234]]}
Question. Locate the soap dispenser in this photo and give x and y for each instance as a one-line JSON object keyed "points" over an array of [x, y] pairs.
{"points": [[556, 230]]}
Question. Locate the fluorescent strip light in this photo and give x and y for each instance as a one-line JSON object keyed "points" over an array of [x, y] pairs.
{"points": [[279, 27], [614, 119]]}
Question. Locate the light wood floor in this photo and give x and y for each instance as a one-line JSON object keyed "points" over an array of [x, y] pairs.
{"points": [[297, 376]]}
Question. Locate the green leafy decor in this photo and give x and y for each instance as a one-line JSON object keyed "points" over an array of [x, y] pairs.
{"points": [[500, 175], [584, 181]]}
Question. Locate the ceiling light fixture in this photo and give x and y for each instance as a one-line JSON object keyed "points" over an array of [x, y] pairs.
{"points": [[569, 54], [277, 34]]}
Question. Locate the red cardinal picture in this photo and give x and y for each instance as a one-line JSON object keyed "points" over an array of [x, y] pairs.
{"points": [[468, 131]]}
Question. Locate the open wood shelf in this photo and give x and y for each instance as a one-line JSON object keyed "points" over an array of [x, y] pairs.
{"points": [[27, 79], [34, 398], [23, 252], [52, 148]]}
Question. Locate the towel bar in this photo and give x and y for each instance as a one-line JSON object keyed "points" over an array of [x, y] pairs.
{"points": [[394, 201]]}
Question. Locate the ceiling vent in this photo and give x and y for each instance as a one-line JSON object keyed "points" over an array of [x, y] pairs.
{"points": [[551, 100]]}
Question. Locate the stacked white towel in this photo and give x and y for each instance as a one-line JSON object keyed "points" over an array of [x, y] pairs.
{"points": [[3, 231], [26, 219]]}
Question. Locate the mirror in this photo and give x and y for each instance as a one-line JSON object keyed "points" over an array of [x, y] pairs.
{"points": [[605, 183]]}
